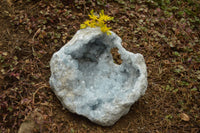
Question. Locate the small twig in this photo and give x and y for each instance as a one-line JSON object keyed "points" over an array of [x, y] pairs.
{"points": [[37, 91], [8, 31], [36, 33]]}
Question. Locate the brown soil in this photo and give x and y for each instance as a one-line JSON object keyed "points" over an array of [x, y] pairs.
{"points": [[32, 30]]}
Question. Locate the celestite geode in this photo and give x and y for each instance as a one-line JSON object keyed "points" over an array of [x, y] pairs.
{"points": [[88, 82]]}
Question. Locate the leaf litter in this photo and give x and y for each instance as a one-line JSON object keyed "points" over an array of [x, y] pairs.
{"points": [[165, 32]]}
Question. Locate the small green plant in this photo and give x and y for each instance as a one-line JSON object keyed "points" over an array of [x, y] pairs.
{"points": [[98, 21], [168, 117]]}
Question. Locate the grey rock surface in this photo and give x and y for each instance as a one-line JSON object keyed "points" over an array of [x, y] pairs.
{"points": [[88, 82]]}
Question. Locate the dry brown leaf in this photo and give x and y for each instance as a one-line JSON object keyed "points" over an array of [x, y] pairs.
{"points": [[184, 117], [9, 2]]}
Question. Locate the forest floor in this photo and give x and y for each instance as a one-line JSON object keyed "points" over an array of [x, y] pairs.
{"points": [[166, 33]]}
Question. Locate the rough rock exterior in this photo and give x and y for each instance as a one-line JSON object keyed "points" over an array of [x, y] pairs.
{"points": [[88, 82]]}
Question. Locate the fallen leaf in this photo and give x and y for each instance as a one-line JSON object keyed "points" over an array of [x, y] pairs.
{"points": [[5, 53], [184, 117], [9, 2]]}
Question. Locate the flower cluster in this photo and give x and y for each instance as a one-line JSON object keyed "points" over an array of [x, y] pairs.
{"points": [[98, 20]]}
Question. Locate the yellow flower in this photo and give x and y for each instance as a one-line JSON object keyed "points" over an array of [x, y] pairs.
{"points": [[83, 26], [92, 24], [105, 28], [98, 21], [92, 16], [104, 17], [108, 32], [87, 22]]}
